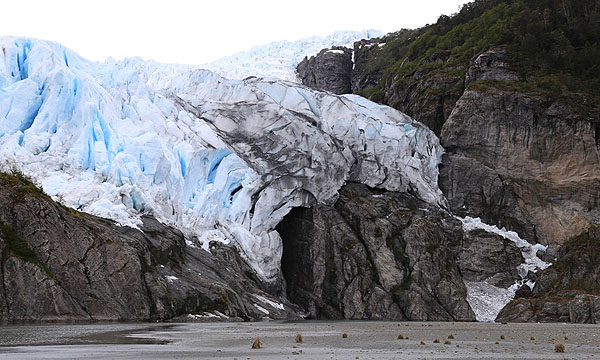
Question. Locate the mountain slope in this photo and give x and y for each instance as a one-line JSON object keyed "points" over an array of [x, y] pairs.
{"points": [[551, 46]]}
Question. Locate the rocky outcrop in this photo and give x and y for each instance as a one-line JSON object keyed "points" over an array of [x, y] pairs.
{"points": [[374, 255], [429, 95], [490, 65], [57, 264], [329, 70], [568, 291]]}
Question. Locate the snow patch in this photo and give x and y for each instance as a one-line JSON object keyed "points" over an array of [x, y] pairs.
{"points": [[487, 300], [272, 304], [529, 251], [208, 315], [262, 309]]}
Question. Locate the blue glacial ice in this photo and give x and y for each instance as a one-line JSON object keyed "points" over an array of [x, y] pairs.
{"points": [[222, 160]]}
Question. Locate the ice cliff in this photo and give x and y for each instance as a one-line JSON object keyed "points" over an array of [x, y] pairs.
{"points": [[222, 160]]}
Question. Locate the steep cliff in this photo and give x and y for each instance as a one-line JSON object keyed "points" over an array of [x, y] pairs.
{"points": [[523, 161], [388, 255]]}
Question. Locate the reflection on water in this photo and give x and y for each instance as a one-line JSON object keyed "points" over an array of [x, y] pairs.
{"points": [[64, 334]]}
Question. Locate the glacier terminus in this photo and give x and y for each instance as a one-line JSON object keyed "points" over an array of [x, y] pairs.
{"points": [[222, 160]]}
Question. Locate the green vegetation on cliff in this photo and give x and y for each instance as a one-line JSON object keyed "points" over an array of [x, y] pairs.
{"points": [[554, 45], [20, 247]]}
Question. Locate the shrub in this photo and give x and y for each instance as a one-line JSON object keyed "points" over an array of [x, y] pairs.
{"points": [[256, 344], [299, 338], [559, 348]]}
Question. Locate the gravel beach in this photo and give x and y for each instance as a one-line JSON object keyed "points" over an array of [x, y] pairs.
{"points": [[322, 340]]}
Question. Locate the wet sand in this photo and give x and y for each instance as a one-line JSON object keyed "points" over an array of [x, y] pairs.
{"points": [[322, 340]]}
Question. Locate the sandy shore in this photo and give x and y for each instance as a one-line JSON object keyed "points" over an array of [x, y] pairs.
{"points": [[322, 340]]}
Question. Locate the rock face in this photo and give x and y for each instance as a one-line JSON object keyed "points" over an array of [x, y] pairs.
{"points": [[374, 255], [489, 257], [530, 163], [522, 162], [60, 264], [329, 70], [568, 291]]}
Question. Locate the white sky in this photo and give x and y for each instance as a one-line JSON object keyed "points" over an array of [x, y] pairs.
{"points": [[195, 32]]}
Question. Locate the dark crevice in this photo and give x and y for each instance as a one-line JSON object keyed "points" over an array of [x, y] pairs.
{"points": [[292, 267]]}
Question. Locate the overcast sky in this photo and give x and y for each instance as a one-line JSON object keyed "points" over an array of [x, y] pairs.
{"points": [[195, 32]]}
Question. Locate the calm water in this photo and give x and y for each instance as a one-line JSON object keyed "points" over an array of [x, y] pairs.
{"points": [[65, 334]]}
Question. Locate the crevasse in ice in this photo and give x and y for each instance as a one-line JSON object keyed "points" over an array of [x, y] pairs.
{"points": [[220, 159]]}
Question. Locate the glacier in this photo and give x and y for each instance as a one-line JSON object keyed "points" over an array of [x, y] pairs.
{"points": [[222, 160], [279, 59]]}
